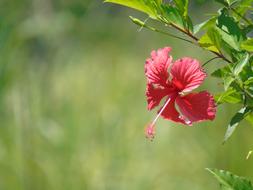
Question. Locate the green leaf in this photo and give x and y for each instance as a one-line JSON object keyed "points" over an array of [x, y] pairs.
{"points": [[225, 74], [229, 181], [146, 6], [249, 99], [182, 5], [210, 40], [247, 29], [222, 2], [249, 82], [241, 64], [206, 43], [228, 81], [227, 3], [237, 55], [248, 88], [249, 118], [243, 6], [172, 15], [215, 37], [236, 119], [204, 25], [247, 71], [221, 72], [189, 24], [230, 96], [247, 45], [229, 30]]}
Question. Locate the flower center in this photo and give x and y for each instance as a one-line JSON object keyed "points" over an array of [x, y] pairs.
{"points": [[150, 129]]}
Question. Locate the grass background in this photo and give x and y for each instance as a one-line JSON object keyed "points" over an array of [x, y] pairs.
{"points": [[73, 108]]}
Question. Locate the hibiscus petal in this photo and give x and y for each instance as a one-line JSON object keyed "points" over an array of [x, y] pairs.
{"points": [[154, 95], [187, 74], [171, 113], [156, 67], [197, 106]]}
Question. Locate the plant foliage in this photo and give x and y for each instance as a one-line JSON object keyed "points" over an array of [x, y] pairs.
{"points": [[229, 181], [225, 34]]}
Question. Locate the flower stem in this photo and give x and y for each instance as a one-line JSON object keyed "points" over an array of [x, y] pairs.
{"points": [[144, 25], [204, 64], [167, 33]]}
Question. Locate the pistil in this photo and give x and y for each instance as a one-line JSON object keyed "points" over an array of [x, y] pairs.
{"points": [[150, 129]]}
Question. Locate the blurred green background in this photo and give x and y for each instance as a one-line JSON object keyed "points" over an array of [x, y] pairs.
{"points": [[73, 108]]}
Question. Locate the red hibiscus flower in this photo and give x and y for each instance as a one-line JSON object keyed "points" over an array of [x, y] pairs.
{"points": [[171, 81]]}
